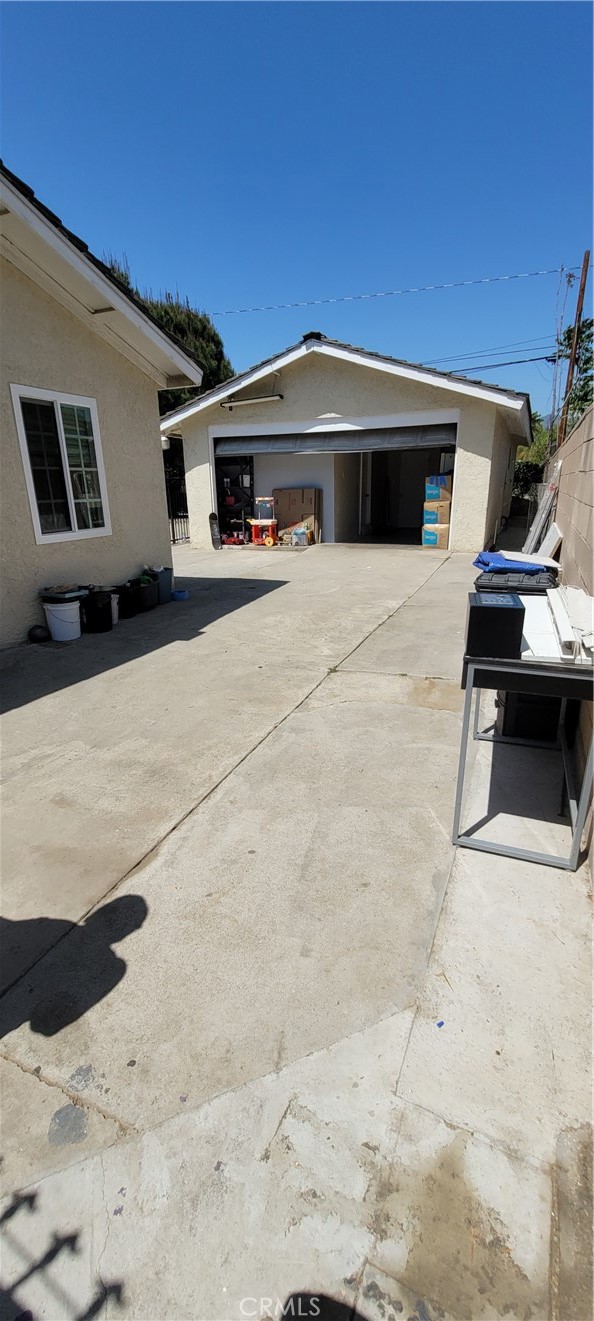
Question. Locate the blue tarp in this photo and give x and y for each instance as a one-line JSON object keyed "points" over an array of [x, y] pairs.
{"points": [[490, 561]]}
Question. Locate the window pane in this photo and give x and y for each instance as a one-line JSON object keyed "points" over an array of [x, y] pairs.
{"points": [[82, 462], [83, 517], [41, 431]]}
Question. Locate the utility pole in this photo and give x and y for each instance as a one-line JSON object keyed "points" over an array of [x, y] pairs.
{"points": [[574, 346]]}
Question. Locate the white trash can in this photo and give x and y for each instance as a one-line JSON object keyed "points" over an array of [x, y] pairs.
{"points": [[63, 620]]}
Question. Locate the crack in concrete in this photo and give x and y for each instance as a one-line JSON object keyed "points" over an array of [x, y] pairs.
{"points": [[74, 1097], [266, 1152], [400, 606], [106, 1212]]}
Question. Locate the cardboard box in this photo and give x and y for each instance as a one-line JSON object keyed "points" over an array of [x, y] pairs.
{"points": [[299, 504], [436, 535], [436, 511], [439, 487]]}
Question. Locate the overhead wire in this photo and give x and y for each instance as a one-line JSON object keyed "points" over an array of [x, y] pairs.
{"points": [[512, 362], [390, 293], [495, 348]]}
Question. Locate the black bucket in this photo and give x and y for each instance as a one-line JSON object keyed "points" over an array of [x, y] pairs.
{"points": [[95, 612]]}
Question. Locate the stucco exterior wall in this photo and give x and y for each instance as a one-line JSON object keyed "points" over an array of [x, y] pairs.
{"points": [[500, 479], [317, 386], [279, 470], [44, 346]]}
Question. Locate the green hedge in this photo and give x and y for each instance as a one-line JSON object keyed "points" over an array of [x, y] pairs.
{"points": [[526, 476]]}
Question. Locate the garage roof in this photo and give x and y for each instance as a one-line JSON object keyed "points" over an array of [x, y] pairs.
{"points": [[315, 342], [36, 241]]}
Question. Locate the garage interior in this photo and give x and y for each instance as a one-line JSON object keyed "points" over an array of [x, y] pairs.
{"points": [[393, 492], [372, 482]]}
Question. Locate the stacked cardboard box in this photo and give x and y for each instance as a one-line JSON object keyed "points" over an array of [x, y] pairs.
{"points": [[436, 511], [298, 506]]}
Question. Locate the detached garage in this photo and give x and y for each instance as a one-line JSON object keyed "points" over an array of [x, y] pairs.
{"points": [[364, 429]]}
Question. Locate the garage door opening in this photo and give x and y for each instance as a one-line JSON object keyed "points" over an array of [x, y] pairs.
{"points": [[393, 492], [372, 480]]}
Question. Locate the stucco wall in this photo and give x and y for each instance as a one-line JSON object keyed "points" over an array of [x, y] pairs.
{"points": [[500, 479], [347, 488], [272, 470], [44, 346], [316, 386]]}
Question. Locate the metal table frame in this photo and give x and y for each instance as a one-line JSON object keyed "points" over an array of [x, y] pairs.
{"points": [[560, 680]]}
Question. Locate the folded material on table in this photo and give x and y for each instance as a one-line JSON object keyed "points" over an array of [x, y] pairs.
{"points": [[492, 561]]}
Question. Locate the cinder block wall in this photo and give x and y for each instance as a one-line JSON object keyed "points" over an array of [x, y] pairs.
{"points": [[575, 518], [575, 503]]}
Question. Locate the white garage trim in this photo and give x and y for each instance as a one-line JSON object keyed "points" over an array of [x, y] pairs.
{"points": [[332, 422]]}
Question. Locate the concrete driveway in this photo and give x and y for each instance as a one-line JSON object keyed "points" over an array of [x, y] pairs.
{"points": [[226, 852]]}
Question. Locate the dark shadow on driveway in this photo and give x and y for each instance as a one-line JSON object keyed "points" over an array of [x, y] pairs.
{"points": [[78, 970], [29, 672]]}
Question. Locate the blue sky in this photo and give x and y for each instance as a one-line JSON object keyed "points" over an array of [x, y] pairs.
{"points": [[263, 153]]}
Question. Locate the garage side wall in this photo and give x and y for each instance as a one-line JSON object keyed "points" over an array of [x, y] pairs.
{"points": [[474, 452], [319, 387], [48, 348], [501, 478]]}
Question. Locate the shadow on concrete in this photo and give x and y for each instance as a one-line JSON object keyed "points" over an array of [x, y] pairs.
{"points": [[29, 671], [525, 782], [27, 1266], [76, 966]]}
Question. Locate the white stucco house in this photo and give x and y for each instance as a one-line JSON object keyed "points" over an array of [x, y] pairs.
{"points": [[83, 491], [364, 428]]}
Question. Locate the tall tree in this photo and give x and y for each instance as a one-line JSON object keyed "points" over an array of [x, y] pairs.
{"points": [[537, 451], [192, 328], [582, 391]]}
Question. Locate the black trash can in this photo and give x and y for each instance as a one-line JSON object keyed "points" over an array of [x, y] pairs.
{"points": [[128, 601], [95, 612], [148, 591]]}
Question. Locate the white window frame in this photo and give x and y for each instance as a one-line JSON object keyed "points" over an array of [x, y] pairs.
{"points": [[57, 397]]}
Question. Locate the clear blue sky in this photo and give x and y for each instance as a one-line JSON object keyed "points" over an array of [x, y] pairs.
{"points": [[262, 153]]}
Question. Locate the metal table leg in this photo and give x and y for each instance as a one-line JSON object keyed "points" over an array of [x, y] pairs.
{"points": [[582, 812], [579, 809], [463, 752]]}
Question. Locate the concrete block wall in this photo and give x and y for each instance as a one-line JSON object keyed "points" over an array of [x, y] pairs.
{"points": [[575, 518], [575, 503]]}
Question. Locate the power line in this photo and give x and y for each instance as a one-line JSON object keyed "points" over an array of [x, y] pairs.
{"points": [[513, 362], [550, 350], [495, 348], [391, 293]]}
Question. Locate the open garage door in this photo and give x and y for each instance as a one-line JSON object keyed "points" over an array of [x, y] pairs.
{"points": [[340, 442], [372, 480]]}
